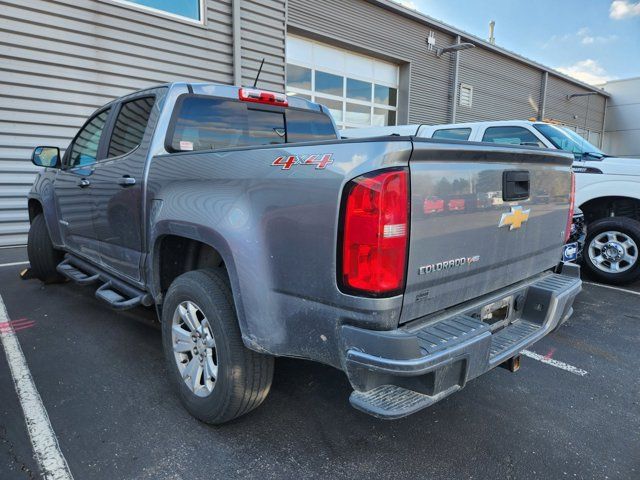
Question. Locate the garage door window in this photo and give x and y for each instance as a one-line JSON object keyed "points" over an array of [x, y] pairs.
{"points": [[359, 91]]}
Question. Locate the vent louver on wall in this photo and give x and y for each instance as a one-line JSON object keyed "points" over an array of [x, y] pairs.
{"points": [[466, 95]]}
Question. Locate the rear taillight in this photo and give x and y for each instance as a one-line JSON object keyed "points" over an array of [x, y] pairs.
{"points": [[375, 231], [572, 205], [262, 96]]}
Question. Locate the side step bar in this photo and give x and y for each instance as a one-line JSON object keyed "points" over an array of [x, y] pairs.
{"points": [[118, 294]]}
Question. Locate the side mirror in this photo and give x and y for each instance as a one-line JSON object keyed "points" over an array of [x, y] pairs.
{"points": [[46, 157]]}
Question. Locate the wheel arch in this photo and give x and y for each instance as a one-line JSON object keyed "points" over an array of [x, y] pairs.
{"points": [[35, 207], [179, 247], [611, 206]]}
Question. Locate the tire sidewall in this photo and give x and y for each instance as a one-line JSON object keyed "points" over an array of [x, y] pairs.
{"points": [[43, 256], [627, 226], [188, 288]]}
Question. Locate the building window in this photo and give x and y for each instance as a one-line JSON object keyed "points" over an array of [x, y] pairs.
{"points": [[466, 95], [183, 9], [359, 91]]}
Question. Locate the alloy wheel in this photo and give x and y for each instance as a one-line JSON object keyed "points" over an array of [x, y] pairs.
{"points": [[613, 252], [194, 348]]}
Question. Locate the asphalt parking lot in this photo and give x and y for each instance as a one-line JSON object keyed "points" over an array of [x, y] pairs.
{"points": [[101, 377]]}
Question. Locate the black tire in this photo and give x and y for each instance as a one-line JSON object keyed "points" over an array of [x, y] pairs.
{"points": [[244, 376], [627, 227], [42, 256]]}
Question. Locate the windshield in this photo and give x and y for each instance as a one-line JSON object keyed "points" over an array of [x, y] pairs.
{"points": [[566, 139]]}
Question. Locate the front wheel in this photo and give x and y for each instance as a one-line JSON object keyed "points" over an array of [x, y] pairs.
{"points": [[217, 377], [43, 257], [612, 254]]}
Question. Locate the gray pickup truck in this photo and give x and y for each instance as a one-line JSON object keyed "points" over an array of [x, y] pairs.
{"points": [[255, 233]]}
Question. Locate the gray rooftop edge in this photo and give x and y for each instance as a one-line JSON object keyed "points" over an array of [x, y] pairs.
{"points": [[427, 20]]}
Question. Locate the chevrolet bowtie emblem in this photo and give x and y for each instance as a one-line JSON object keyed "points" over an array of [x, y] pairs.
{"points": [[515, 218]]}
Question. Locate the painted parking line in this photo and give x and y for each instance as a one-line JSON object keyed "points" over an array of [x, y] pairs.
{"points": [[547, 360], [610, 287], [12, 264], [52, 463]]}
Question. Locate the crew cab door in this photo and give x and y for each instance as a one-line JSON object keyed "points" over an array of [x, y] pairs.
{"points": [[72, 187], [118, 186]]}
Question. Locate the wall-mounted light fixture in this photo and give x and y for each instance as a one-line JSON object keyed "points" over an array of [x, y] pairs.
{"points": [[454, 48], [572, 95]]}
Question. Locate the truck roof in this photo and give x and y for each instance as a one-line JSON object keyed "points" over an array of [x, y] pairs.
{"points": [[221, 90], [417, 128]]}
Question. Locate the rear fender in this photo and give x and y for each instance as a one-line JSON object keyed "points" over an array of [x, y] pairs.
{"points": [[209, 237]]}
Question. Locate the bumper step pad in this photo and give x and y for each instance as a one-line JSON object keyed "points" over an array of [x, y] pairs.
{"points": [[390, 402], [509, 336], [448, 332]]}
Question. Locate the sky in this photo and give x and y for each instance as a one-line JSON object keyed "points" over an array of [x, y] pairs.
{"points": [[592, 40]]}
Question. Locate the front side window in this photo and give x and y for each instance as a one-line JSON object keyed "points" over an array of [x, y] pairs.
{"points": [[190, 9], [130, 126], [564, 139], [210, 123], [452, 133], [85, 147], [511, 136]]}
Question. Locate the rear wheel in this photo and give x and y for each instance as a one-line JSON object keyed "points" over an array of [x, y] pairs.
{"points": [[612, 254], [217, 377], [42, 256]]}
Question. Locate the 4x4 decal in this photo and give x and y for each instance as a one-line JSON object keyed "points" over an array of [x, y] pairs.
{"points": [[320, 161]]}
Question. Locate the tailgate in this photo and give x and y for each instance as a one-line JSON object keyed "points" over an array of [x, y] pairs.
{"points": [[458, 250]]}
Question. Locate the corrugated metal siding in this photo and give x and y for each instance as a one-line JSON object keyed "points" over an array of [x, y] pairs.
{"points": [[502, 89], [574, 111], [61, 59], [263, 36], [373, 30]]}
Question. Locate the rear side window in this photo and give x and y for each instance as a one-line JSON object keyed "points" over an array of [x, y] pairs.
{"points": [[210, 123], [130, 126], [511, 136], [452, 133]]}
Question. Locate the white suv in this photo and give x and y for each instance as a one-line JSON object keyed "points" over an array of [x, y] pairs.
{"points": [[607, 188]]}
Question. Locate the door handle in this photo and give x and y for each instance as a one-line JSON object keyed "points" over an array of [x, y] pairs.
{"points": [[83, 183], [126, 181], [515, 185]]}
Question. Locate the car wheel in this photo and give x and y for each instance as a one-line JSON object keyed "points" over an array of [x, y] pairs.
{"points": [[217, 377], [612, 254], [43, 257]]}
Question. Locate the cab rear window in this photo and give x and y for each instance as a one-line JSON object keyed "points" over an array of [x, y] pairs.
{"points": [[211, 123]]}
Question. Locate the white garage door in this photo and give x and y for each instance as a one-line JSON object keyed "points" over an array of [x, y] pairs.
{"points": [[360, 91]]}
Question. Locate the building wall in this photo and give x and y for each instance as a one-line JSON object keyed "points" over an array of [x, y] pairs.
{"points": [[583, 113], [502, 88], [263, 26], [622, 128], [61, 59], [364, 27]]}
